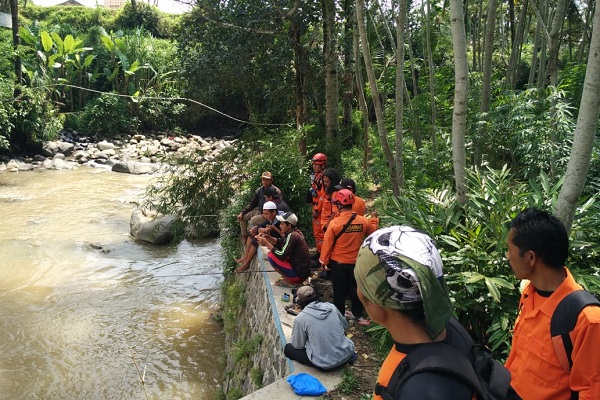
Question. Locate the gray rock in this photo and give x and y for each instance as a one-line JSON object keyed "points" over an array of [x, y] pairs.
{"points": [[66, 148], [135, 167], [104, 145], [151, 228]]}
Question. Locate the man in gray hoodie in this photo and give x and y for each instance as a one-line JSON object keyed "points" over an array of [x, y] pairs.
{"points": [[318, 335]]}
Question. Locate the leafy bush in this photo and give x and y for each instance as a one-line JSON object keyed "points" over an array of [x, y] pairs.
{"points": [[145, 15], [107, 114], [6, 94], [472, 242], [34, 119]]}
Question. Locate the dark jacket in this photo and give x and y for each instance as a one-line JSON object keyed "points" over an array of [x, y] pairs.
{"points": [[258, 200], [293, 247]]}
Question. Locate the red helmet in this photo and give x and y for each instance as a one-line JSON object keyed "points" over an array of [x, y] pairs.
{"points": [[319, 159], [344, 197]]}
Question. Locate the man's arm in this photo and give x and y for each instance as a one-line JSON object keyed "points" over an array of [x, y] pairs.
{"points": [[298, 333], [585, 372], [327, 247], [253, 203]]}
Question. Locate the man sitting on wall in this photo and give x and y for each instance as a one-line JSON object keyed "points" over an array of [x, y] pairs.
{"points": [[318, 335], [270, 227]]}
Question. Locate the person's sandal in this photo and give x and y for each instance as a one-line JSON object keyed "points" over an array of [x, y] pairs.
{"points": [[292, 309]]}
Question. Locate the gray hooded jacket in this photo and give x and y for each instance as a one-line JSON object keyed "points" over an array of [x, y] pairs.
{"points": [[321, 329]]}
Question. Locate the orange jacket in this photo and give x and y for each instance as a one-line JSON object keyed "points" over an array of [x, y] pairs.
{"points": [[359, 206], [533, 364], [347, 245], [393, 359], [328, 210]]}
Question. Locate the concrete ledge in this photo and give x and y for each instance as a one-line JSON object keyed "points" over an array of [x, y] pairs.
{"points": [[280, 389]]}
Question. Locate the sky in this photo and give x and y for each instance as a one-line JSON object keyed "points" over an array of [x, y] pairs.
{"points": [[170, 6]]}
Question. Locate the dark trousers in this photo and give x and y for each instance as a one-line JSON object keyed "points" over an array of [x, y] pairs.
{"points": [[301, 356], [344, 284]]}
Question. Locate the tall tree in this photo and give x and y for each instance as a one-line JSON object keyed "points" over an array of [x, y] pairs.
{"points": [[400, 87], [585, 132], [459, 115], [14, 12], [381, 130], [554, 43], [332, 125], [488, 48]]}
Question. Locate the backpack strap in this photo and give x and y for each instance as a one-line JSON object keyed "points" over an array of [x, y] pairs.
{"points": [[563, 322], [437, 357]]}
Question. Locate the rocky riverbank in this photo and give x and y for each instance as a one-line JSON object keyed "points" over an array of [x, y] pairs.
{"points": [[135, 154]]}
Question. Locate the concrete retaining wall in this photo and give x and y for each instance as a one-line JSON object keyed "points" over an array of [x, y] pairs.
{"points": [[258, 320]]}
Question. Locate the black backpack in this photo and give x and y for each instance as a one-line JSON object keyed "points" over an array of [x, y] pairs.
{"points": [[487, 378], [563, 321]]}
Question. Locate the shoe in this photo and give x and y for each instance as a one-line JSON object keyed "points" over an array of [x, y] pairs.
{"points": [[352, 359], [293, 309], [363, 321], [348, 314], [325, 275], [282, 283]]}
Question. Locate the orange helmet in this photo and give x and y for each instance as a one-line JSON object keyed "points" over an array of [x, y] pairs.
{"points": [[319, 159], [344, 197]]}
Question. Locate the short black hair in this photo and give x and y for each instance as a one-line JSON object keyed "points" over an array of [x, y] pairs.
{"points": [[271, 191], [542, 233], [348, 183]]}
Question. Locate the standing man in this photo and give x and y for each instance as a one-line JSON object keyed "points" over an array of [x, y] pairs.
{"points": [[318, 334], [316, 192], [538, 246], [343, 238], [359, 206], [401, 284], [253, 210]]}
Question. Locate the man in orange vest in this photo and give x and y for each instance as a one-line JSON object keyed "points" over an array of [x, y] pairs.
{"points": [[538, 246]]}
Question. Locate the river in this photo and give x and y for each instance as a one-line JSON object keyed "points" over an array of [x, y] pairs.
{"points": [[88, 313]]}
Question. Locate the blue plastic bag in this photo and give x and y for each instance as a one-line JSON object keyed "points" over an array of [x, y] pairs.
{"points": [[306, 385]]}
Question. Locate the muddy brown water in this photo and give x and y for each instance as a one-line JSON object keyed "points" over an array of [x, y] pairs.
{"points": [[88, 313]]}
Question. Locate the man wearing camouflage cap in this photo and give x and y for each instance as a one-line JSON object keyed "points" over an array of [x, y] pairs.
{"points": [[400, 282]]}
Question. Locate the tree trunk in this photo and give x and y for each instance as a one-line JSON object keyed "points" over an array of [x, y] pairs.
{"points": [[554, 43], [14, 13], [585, 131], [400, 24], [459, 116], [362, 102], [517, 45], [488, 48], [360, 14], [332, 125], [430, 67], [348, 86]]}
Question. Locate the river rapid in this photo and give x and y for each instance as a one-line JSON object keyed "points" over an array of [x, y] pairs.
{"points": [[88, 313]]}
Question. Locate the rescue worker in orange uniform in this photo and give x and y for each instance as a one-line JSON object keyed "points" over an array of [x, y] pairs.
{"points": [[538, 246], [316, 192], [343, 238], [359, 206]]}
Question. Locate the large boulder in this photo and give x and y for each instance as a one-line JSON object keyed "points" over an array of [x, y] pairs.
{"points": [[150, 227], [135, 167]]}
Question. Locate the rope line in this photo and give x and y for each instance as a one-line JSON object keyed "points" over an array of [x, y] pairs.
{"points": [[136, 98]]}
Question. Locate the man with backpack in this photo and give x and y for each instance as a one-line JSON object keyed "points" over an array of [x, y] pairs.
{"points": [[555, 354], [400, 282]]}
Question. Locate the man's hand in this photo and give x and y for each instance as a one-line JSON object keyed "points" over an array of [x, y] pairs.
{"points": [[240, 217]]}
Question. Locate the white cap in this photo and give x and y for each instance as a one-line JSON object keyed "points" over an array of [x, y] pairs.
{"points": [[269, 205], [288, 217]]}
